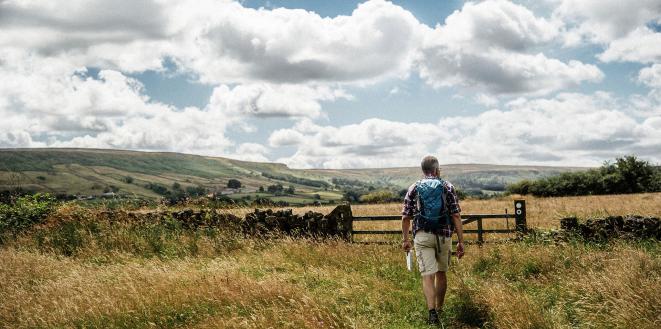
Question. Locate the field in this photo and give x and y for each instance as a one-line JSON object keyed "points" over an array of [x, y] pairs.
{"points": [[164, 277], [90, 172]]}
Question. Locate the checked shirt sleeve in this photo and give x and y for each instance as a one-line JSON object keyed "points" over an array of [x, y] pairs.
{"points": [[451, 199], [410, 206]]}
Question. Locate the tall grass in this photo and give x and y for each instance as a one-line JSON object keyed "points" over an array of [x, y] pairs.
{"points": [[76, 271]]}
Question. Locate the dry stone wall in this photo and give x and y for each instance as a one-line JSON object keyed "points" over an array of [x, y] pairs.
{"points": [[338, 223], [635, 227]]}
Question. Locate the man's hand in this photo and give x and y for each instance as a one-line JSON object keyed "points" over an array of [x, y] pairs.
{"points": [[406, 245], [406, 223], [460, 250]]}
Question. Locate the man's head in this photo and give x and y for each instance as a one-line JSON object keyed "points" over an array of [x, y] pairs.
{"points": [[430, 166]]}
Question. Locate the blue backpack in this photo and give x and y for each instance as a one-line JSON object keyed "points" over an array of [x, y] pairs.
{"points": [[432, 215]]}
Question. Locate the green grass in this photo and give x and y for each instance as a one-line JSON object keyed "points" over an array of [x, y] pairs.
{"points": [[90, 171]]}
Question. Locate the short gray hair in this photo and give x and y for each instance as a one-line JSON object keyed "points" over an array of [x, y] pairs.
{"points": [[429, 164]]}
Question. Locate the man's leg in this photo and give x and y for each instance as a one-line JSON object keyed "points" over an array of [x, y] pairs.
{"points": [[440, 287], [429, 289]]}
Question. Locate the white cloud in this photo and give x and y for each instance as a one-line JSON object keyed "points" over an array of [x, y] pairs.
{"points": [[220, 41], [648, 105], [602, 21], [490, 46], [486, 100], [268, 100], [621, 26], [251, 152], [126, 35], [49, 102], [651, 76], [569, 129], [238, 44], [286, 63], [642, 45], [285, 137]]}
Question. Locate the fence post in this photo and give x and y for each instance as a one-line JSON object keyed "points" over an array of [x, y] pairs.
{"points": [[520, 215], [480, 238], [343, 218]]}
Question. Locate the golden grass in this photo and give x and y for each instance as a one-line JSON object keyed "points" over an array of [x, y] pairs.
{"points": [[542, 213], [289, 283]]}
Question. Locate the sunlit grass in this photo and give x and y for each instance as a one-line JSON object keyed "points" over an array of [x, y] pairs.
{"points": [[154, 277]]}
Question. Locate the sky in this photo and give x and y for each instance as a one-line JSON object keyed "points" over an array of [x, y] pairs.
{"points": [[336, 84]]}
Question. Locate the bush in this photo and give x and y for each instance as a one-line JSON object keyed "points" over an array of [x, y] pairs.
{"points": [[627, 175], [158, 188], [25, 212], [275, 188], [234, 183], [379, 197]]}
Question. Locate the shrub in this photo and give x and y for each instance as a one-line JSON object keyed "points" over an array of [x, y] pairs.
{"points": [[275, 188], [379, 197], [25, 211], [234, 183], [627, 175], [158, 188]]}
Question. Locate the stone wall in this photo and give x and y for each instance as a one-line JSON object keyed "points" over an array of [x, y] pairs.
{"points": [[635, 227], [338, 223]]}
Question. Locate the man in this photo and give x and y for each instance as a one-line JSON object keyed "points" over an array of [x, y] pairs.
{"points": [[433, 205]]}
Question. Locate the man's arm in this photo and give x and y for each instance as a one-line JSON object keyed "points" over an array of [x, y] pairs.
{"points": [[456, 219], [406, 224]]}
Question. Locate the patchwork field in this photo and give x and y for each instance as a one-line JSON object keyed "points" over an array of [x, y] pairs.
{"points": [[78, 272], [91, 172]]}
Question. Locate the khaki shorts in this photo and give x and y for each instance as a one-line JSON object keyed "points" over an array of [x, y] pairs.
{"points": [[433, 252]]}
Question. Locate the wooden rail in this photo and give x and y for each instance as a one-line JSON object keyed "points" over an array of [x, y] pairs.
{"points": [[519, 216]]}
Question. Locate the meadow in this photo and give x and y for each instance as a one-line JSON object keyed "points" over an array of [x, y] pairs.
{"points": [[77, 272]]}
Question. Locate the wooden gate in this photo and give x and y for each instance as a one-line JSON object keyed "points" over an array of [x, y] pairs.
{"points": [[519, 217]]}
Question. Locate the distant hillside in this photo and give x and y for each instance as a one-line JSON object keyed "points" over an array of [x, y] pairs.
{"points": [[132, 173]]}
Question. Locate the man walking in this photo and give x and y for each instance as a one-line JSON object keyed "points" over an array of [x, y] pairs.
{"points": [[433, 205]]}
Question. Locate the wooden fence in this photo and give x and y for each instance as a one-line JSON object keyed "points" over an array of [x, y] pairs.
{"points": [[519, 217]]}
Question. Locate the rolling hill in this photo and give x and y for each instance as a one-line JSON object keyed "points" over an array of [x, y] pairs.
{"points": [[134, 173]]}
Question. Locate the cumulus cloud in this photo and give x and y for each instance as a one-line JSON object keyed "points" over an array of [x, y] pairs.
{"points": [[651, 76], [251, 152], [49, 102], [642, 45], [241, 44], [602, 21], [648, 106], [490, 46], [284, 63], [269, 100], [125, 35], [621, 26], [486, 100], [577, 129]]}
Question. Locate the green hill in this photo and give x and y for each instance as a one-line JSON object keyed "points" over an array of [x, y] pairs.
{"points": [[133, 173]]}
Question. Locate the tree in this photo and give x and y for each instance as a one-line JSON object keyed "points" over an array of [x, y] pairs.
{"points": [[176, 186], [128, 179], [234, 183], [196, 190], [290, 190], [275, 188], [626, 175], [261, 188]]}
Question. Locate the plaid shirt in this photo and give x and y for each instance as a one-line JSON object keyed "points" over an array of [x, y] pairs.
{"points": [[451, 204]]}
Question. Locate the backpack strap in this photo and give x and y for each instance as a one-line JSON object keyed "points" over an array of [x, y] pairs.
{"points": [[444, 210], [418, 203]]}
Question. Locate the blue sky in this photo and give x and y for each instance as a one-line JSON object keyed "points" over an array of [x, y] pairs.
{"points": [[337, 84]]}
